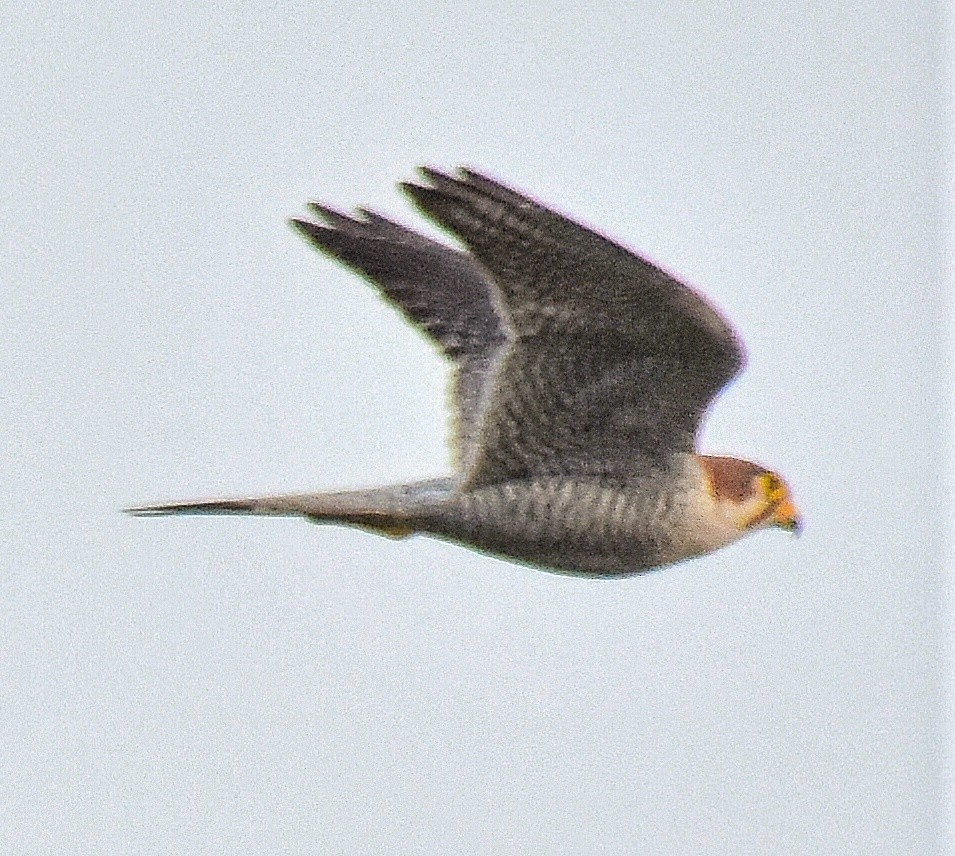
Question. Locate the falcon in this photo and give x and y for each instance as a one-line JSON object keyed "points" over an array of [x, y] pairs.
{"points": [[581, 375]]}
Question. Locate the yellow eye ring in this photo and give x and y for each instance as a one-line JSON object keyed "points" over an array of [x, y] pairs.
{"points": [[772, 485]]}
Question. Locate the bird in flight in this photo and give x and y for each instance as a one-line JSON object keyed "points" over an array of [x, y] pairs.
{"points": [[581, 375]]}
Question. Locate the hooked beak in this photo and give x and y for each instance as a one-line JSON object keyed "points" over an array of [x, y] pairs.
{"points": [[786, 516]]}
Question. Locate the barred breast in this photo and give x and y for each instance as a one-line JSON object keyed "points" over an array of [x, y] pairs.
{"points": [[569, 525]]}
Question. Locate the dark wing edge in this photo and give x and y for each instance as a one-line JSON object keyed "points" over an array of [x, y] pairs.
{"points": [[440, 290], [613, 357]]}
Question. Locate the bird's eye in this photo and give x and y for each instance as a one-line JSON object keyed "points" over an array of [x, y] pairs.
{"points": [[772, 485]]}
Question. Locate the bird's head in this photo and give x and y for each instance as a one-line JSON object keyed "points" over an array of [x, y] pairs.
{"points": [[754, 497]]}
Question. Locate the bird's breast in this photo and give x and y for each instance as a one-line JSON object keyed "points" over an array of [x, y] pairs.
{"points": [[569, 525]]}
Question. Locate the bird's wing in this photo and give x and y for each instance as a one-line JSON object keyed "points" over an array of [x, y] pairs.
{"points": [[441, 290], [612, 361]]}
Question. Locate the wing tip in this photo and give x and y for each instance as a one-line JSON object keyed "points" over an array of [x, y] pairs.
{"points": [[462, 184], [433, 174], [461, 174], [305, 227], [436, 182]]}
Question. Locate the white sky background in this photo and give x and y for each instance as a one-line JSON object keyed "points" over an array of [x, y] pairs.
{"points": [[264, 686]]}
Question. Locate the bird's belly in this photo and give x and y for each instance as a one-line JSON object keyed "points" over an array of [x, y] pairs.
{"points": [[568, 526]]}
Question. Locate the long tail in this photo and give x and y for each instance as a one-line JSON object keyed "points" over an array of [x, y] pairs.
{"points": [[387, 511], [300, 505]]}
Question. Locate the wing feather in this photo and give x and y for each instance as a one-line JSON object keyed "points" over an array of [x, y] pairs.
{"points": [[612, 358], [441, 290]]}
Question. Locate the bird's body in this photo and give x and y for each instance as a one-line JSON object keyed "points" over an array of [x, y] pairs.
{"points": [[581, 375]]}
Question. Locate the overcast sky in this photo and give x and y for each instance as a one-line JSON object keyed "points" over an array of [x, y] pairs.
{"points": [[265, 686]]}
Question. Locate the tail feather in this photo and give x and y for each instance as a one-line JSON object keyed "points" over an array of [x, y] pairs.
{"points": [[386, 511], [276, 506]]}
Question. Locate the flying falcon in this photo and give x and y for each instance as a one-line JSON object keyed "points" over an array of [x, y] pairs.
{"points": [[581, 374]]}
